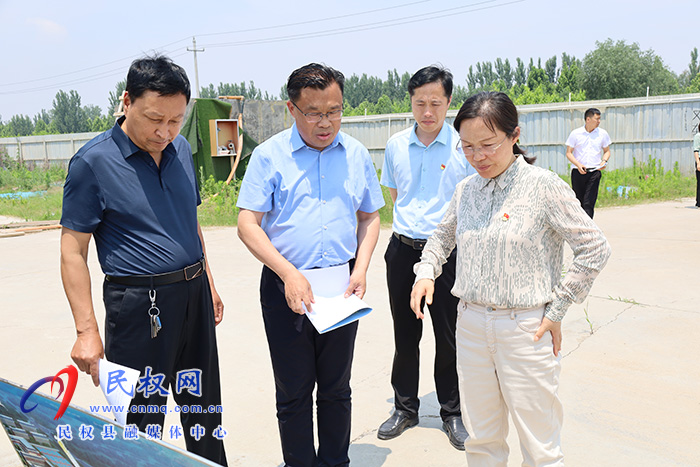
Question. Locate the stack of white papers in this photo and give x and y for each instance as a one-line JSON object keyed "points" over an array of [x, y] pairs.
{"points": [[331, 309], [118, 384]]}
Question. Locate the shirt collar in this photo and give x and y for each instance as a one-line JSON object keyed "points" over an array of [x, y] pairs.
{"points": [[128, 148], [504, 179], [298, 143], [124, 143], [590, 132], [443, 137]]}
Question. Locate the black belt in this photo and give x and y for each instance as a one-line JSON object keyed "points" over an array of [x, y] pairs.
{"points": [[415, 243], [187, 274]]}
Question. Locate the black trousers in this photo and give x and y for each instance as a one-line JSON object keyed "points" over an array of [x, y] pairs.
{"points": [[586, 188], [408, 330], [301, 360], [186, 341], [697, 188]]}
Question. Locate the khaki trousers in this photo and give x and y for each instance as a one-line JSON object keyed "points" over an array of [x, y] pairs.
{"points": [[503, 370]]}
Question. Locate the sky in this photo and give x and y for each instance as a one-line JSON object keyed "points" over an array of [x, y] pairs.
{"points": [[87, 46]]}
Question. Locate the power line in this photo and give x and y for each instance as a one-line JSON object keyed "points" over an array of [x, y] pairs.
{"points": [[131, 57], [331, 18], [264, 28], [105, 74], [370, 26], [454, 11]]}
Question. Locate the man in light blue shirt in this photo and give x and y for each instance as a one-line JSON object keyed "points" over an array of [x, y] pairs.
{"points": [[310, 199], [422, 166]]}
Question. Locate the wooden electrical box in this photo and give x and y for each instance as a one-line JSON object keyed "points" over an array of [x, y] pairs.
{"points": [[223, 136]]}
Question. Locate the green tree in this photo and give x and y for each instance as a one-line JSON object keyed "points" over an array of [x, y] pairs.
{"points": [[42, 116], [569, 79], [383, 105], [248, 91], [113, 103], [693, 67], [520, 75], [18, 125], [392, 86], [41, 128], [695, 84], [100, 123], [550, 68], [283, 93], [401, 105], [616, 70], [92, 112], [459, 95], [504, 72], [485, 74], [472, 81], [67, 115], [536, 77], [358, 89]]}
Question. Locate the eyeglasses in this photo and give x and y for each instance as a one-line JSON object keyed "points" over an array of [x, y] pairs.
{"points": [[485, 150], [316, 117]]}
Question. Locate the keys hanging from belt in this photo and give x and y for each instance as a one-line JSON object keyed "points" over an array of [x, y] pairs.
{"points": [[154, 313]]}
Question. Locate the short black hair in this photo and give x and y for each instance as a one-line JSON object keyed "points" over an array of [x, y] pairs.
{"points": [[313, 75], [590, 113], [431, 74], [159, 74]]}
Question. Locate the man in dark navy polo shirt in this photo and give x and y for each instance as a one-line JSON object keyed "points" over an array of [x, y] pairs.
{"points": [[134, 189]]}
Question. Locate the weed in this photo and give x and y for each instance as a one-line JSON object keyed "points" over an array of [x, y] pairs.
{"points": [[15, 176], [643, 182], [585, 311], [218, 202], [648, 179], [624, 300], [36, 208]]}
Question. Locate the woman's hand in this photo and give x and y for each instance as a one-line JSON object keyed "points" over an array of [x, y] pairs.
{"points": [[422, 288], [547, 325]]}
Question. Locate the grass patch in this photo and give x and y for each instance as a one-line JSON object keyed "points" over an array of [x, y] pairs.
{"points": [[36, 208], [218, 203], [644, 182], [648, 182]]}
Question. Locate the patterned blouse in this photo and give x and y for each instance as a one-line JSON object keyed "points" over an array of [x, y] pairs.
{"points": [[510, 233]]}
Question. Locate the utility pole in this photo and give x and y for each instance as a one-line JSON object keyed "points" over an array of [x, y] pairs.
{"points": [[196, 72]]}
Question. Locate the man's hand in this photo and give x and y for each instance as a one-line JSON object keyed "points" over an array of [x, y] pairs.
{"points": [[218, 305], [358, 284], [555, 329], [87, 352], [698, 165], [422, 288], [581, 169], [297, 290]]}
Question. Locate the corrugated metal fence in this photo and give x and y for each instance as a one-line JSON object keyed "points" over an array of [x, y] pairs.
{"points": [[661, 127], [46, 149]]}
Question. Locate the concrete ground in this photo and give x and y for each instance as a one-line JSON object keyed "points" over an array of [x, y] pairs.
{"points": [[630, 388]]}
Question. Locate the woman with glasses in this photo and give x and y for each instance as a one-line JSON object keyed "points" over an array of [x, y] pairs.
{"points": [[509, 223]]}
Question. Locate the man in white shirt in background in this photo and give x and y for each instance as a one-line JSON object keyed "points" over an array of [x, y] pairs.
{"points": [[588, 150]]}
